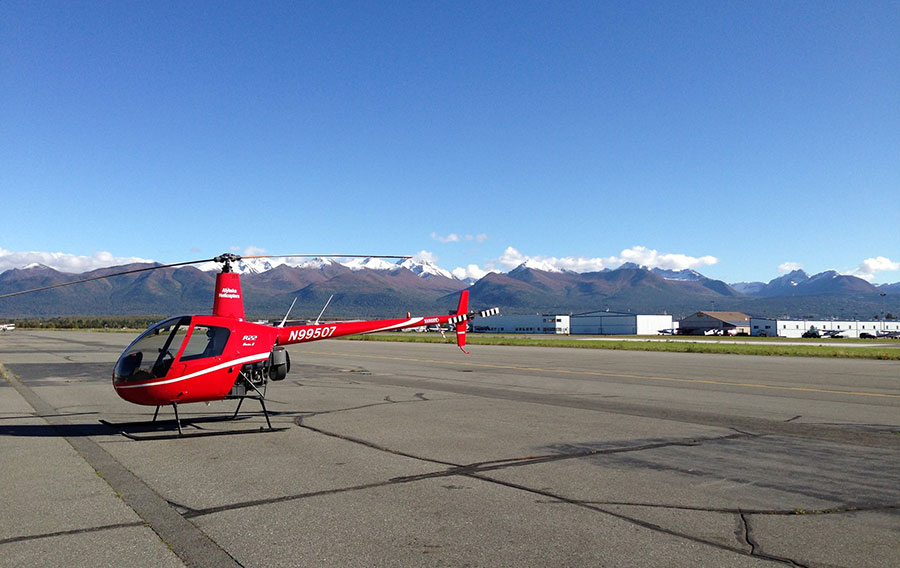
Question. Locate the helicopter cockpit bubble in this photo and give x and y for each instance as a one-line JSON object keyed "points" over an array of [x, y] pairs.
{"points": [[152, 353]]}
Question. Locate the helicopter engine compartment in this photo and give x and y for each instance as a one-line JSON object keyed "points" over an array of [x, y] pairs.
{"points": [[255, 375], [252, 377]]}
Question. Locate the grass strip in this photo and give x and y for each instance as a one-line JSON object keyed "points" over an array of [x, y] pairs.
{"points": [[749, 347]]}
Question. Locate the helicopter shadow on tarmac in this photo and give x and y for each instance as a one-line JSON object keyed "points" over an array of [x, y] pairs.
{"points": [[143, 430], [188, 428]]}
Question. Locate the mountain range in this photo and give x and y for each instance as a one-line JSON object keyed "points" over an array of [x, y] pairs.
{"points": [[378, 288]]}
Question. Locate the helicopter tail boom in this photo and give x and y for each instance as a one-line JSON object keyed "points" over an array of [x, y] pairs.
{"points": [[315, 332]]}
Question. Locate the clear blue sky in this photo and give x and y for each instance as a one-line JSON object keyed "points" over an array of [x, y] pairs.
{"points": [[733, 137]]}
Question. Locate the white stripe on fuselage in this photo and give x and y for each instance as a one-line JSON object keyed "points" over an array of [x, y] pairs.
{"points": [[408, 323], [220, 366]]}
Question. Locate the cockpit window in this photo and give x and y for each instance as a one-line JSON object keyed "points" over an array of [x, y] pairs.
{"points": [[152, 353], [205, 341]]}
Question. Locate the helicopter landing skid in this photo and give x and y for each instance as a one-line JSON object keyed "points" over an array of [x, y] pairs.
{"points": [[203, 434], [162, 430]]}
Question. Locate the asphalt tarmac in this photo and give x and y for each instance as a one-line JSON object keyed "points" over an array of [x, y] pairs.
{"points": [[419, 455]]}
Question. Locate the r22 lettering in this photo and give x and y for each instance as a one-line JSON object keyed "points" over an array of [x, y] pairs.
{"points": [[310, 333]]}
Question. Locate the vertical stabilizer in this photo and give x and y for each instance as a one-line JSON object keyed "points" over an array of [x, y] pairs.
{"points": [[462, 310]]}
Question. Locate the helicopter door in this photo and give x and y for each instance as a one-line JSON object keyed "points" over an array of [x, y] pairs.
{"points": [[205, 341]]}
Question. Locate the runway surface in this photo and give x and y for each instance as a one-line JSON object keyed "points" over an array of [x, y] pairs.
{"points": [[419, 455]]}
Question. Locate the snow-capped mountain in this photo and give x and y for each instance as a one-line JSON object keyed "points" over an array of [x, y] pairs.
{"points": [[542, 265], [425, 268], [356, 264], [421, 268], [799, 283], [244, 266], [260, 265], [318, 263], [686, 275], [380, 287]]}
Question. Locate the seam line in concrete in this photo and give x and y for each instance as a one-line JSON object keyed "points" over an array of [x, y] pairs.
{"points": [[187, 541]]}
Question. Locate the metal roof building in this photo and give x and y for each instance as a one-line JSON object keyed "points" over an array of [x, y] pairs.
{"points": [[722, 323], [773, 327], [591, 323], [620, 323]]}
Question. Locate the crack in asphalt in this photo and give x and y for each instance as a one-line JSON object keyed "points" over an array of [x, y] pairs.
{"points": [[74, 532], [478, 470], [755, 512], [748, 537], [480, 467], [755, 549]]}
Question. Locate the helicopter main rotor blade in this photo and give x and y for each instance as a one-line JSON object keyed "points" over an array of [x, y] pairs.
{"points": [[323, 256]]}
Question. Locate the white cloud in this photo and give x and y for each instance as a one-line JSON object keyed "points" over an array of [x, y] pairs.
{"points": [[425, 255], [668, 261], [451, 238], [455, 238], [511, 258], [471, 271], [62, 261], [786, 267], [650, 258], [867, 268], [253, 251]]}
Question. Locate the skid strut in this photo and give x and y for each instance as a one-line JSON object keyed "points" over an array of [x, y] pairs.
{"points": [[262, 403]]}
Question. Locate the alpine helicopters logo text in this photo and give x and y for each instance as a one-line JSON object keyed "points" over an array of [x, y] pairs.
{"points": [[231, 293]]}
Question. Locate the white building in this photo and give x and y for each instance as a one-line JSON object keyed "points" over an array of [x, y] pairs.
{"points": [[540, 323], [768, 327], [594, 323], [617, 323]]}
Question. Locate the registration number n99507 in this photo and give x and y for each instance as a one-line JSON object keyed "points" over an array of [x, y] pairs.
{"points": [[310, 333]]}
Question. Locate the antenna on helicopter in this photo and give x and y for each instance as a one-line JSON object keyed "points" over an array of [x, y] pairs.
{"points": [[323, 309], [288, 313]]}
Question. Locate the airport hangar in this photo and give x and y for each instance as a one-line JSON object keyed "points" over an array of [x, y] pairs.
{"points": [[737, 323], [590, 323], [699, 323], [773, 327]]}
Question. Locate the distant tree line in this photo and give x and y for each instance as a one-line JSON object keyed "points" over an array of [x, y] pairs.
{"points": [[101, 322]]}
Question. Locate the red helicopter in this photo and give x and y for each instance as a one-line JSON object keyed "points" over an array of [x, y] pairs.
{"points": [[203, 358]]}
